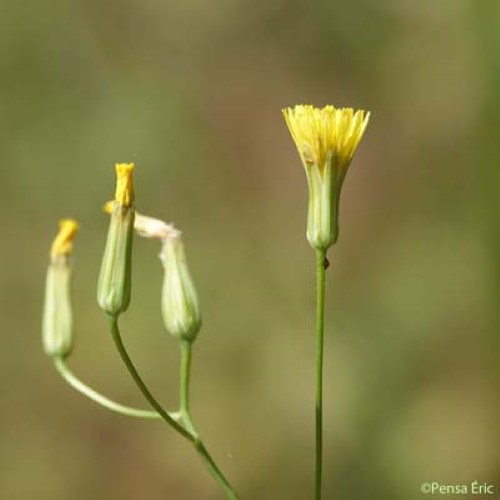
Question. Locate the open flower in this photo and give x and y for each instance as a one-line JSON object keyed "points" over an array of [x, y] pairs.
{"points": [[326, 139]]}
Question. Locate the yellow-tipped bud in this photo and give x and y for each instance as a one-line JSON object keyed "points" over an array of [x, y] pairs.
{"points": [[114, 284], [326, 139], [124, 194], [57, 321], [180, 306], [63, 242]]}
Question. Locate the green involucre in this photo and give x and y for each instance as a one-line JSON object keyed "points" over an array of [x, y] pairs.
{"points": [[57, 322], [180, 306], [324, 184], [114, 285]]}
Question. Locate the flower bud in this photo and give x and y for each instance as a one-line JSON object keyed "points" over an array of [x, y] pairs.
{"points": [[180, 307], [57, 321], [114, 285]]}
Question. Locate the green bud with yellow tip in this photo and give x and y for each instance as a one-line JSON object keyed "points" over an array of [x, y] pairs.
{"points": [[114, 284], [57, 321]]}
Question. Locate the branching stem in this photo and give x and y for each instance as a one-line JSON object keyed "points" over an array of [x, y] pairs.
{"points": [[97, 397]]}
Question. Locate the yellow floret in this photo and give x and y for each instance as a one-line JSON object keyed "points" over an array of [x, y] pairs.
{"points": [[63, 242], [124, 194], [328, 133], [108, 206]]}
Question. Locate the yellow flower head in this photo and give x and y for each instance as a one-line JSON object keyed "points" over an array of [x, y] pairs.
{"points": [[63, 242], [124, 194], [325, 134]]}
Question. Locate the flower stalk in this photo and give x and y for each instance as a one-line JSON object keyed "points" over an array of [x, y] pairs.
{"points": [[97, 397], [320, 334], [182, 319], [186, 430], [326, 139]]}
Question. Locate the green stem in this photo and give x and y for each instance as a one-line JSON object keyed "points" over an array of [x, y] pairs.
{"points": [[190, 435], [169, 419], [186, 354], [77, 384], [215, 471], [320, 321]]}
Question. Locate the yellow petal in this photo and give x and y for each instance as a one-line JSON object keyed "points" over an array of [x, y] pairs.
{"points": [[321, 134]]}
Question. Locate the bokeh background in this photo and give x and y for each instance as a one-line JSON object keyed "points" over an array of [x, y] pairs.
{"points": [[191, 91]]}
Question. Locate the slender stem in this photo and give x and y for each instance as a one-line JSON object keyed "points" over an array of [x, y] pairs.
{"points": [[186, 354], [320, 320], [77, 384], [215, 471], [170, 419], [185, 377], [189, 432]]}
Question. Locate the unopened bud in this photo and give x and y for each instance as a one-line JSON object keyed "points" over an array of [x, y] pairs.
{"points": [[114, 285], [180, 306], [57, 322]]}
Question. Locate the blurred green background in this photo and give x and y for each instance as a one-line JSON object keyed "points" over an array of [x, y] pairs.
{"points": [[191, 91]]}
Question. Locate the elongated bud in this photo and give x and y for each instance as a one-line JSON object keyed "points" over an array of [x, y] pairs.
{"points": [[114, 285], [180, 307], [57, 321]]}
